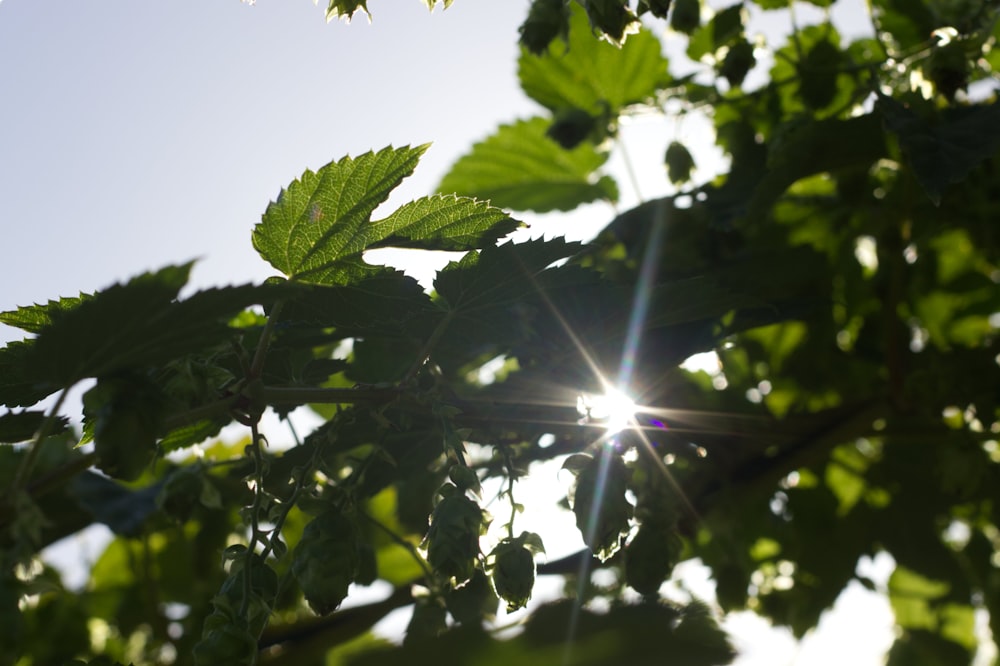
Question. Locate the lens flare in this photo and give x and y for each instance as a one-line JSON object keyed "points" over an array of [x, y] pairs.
{"points": [[615, 409]]}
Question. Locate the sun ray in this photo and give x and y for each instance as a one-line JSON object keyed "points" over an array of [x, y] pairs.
{"points": [[615, 409]]}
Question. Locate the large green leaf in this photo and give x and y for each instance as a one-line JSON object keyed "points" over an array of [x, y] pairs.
{"points": [[519, 167], [943, 151], [498, 276], [318, 228], [314, 231], [593, 75], [384, 304], [136, 323], [492, 297]]}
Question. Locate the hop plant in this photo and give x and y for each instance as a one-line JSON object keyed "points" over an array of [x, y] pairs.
{"points": [[598, 500], [512, 565], [327, 560], [452, 542], [650, 557]]}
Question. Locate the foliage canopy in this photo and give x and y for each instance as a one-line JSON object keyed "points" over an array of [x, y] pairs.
{"points": [[844, 269]]}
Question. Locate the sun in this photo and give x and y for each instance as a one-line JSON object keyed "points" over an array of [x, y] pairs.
{"points": [[613, 408]]}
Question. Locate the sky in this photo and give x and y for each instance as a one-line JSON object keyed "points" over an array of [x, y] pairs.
{"points": [[139, 134]]}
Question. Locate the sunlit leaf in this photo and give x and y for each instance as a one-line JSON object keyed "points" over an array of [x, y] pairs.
{"points": [[593, 75], [519, 167], [317, 228]]}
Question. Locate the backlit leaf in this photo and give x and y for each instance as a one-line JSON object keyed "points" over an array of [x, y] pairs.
{"points": [[521, 168], [593, 75], [316, 230], [32, 318], [345, 9]]}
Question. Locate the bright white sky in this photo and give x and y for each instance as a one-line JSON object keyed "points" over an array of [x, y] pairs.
{"points": [[136, 134]]}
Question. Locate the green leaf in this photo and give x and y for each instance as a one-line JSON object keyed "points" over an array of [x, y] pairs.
{"points": [[33, 318], [498, 276], [21, 426], [942, 151], [818, 71], [136, 323], [593, 75], [18, 388], [738, 62], [345, 9], [610, 17], [443, 222], [547, 19], [317, 228], [658, 8], [686, 16], [801, 149], [679, 163], [386, 303], [519, 167], [727, 25]]}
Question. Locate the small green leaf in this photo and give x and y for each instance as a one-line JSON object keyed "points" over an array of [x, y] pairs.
{"points": [[738, 62], [547, 19], [345, 9], [679, 162], [21, 426], [727, 25], [658, 8], [610, 17], [431, 3], [818, 74], [686, 16], [521, 168], [18, 387], [592, 75]]}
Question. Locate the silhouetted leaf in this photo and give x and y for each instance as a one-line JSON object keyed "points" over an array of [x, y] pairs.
{"points": [[943, 151]]}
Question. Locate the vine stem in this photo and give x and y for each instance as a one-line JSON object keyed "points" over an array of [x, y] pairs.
{"points": [[24, 469], [258, 493], [296, 491], [630, 170], [257, 365], [509, 464], [428, 347], [410, 548], [282, 395]]}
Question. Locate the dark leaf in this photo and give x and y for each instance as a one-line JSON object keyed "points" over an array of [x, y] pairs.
{"points": [[942, 151]]}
